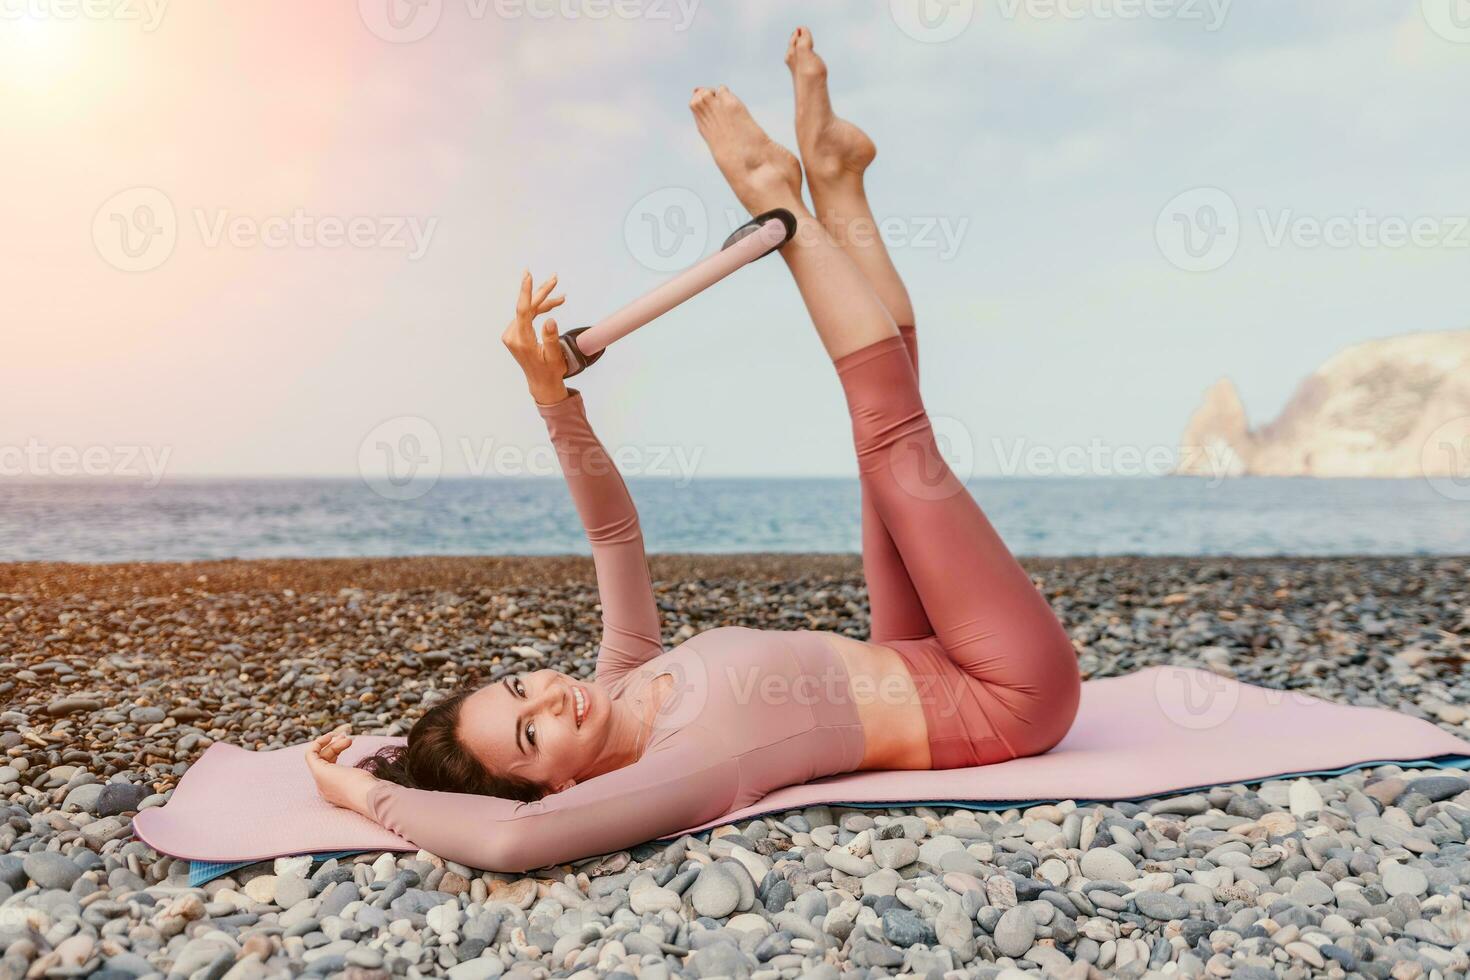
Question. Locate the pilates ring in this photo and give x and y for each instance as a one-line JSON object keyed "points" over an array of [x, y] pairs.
{"points": [[757, 238]]}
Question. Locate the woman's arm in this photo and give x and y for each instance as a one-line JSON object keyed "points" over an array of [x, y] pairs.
{"points": [[630, 623], [662, 793], [630, 620]]}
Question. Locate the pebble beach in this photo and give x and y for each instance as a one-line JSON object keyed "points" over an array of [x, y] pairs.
{"points": [[114, 678]]}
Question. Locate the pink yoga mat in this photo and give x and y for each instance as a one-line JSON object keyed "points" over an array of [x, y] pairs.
{"points": [[1159, 730]]}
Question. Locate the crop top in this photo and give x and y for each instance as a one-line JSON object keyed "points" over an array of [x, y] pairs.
{"points": [[750, 710]]}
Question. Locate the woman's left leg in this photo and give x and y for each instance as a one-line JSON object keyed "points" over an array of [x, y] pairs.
{"points": [[991, 620], [1021, 686]]}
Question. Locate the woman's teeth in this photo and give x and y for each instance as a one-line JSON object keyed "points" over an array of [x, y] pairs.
{"points": [[581, 705]]}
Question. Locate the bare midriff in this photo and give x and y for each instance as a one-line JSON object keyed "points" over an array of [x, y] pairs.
{"points": [[895, 733]]}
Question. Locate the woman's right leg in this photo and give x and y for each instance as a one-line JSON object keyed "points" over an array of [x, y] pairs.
{"points": [[991, 620], [835, 155]]}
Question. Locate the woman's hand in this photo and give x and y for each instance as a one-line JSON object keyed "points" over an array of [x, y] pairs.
{"points": [[544, 362], [339, 785]]}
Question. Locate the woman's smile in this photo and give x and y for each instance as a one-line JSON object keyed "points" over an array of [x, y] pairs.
{"points": [[579, 697]]}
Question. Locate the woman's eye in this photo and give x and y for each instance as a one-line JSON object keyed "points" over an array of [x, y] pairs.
{"points": [[520, 688], [531, 732]]}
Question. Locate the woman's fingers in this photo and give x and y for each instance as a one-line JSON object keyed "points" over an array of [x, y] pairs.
{"points": [[335, 747], [551, 350], [523, 301], [326, 748], [542, 292], [550, 304]]}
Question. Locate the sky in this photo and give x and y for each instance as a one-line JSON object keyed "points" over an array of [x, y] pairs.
{"points": [[279, 238]]}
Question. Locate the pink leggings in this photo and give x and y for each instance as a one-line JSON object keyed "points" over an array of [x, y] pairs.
{"points": [[994, 668]]}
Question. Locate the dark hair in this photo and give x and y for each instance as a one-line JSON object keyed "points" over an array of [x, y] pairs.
{"points": [[435, 759]]}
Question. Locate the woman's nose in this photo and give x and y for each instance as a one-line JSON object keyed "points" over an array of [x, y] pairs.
{"points": [[554, 698]]}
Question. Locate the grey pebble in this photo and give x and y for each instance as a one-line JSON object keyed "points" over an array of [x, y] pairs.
{"points": [[1015, 932], [51, 870], [1161, 905], [119, 798], [904, 927], [715, 892]]}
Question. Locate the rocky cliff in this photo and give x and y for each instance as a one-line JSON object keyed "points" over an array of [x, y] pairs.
{"points": [[1398, 407]]}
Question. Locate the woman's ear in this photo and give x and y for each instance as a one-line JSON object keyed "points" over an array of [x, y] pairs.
{"points": [[563, 786]]}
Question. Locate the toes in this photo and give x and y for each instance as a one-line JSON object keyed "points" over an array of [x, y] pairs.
{"points": [[801, 56], [794, 44]]}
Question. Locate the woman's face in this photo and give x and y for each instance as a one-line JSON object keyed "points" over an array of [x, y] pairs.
{"points": [[544, 726]]}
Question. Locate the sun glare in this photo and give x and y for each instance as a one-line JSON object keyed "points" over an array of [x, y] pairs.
{"points": [[39, 53]]}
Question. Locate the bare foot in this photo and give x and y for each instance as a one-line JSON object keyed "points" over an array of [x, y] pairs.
{"points": [[762, 173], [832, 149]]}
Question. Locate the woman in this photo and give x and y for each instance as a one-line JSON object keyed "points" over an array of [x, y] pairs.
{"points": [[966, 665]]}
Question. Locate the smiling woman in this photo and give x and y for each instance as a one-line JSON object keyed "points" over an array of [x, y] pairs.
{"points": [[967, 665]]}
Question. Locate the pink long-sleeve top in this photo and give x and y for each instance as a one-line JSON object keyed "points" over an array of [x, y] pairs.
{"points": [[751, 710]]}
